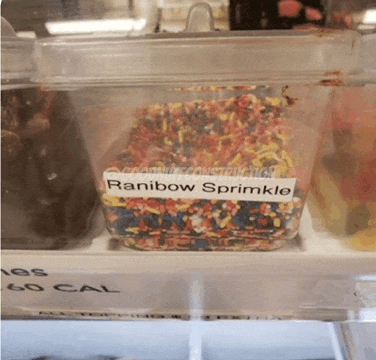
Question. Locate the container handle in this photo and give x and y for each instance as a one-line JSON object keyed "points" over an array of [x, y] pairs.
{"points": [[200, 19]]}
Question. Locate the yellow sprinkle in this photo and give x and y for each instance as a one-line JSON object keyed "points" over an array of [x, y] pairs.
{"points": [[183, 207], [364, 240], [224, 222], [226, 137], [273, 214], [263, 148], [164, 125], [212, 234], [185, 218], [281, 169], [274, 146], [272, 101], [282, 137], [176, 106], [288, 159], [130, 241], [181, 138], [223, 117], [236, 159], [257, 163], [111, 200], [249, 149], [133, 230], [152, 210], [277, 222], [167, 141], [269, 155]]}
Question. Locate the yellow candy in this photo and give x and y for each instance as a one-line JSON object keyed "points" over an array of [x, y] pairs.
{"points": [[364, 240]]}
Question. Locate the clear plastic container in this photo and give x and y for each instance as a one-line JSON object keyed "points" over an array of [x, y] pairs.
{"points": [[201, 141], [48, 194], [343, 197]]}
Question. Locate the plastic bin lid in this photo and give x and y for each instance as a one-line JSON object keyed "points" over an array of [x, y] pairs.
{"points": [[198, 55], [17, 65]]}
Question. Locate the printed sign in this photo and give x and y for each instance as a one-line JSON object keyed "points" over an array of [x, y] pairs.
{"points": [[199, 187]]}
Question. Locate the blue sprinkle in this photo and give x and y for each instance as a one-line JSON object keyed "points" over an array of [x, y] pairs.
{"points": [[202, 243]]}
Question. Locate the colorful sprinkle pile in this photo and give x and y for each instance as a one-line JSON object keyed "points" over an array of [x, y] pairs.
{"points": [[238, 132]]}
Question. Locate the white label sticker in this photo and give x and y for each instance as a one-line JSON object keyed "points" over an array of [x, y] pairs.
{"points": [[199, 187]]}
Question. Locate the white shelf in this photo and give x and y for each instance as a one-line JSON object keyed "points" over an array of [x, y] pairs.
{"points": [[316, 278]]}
